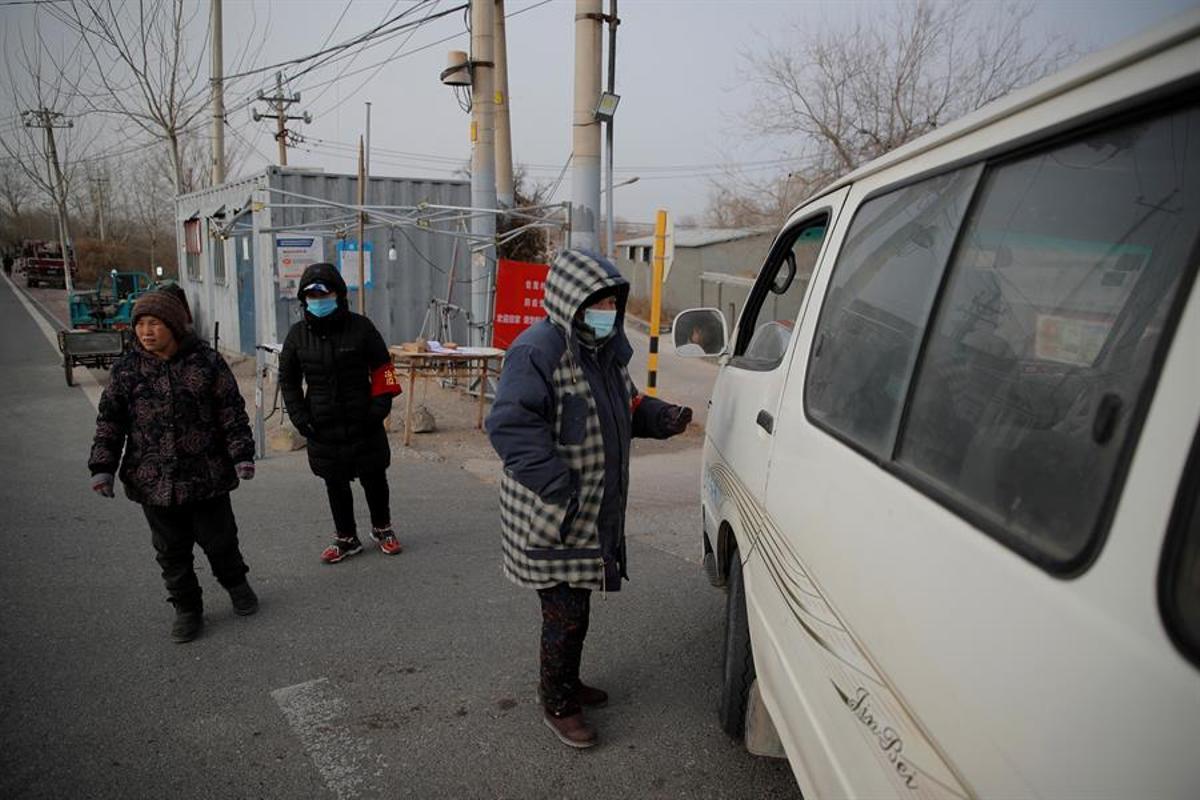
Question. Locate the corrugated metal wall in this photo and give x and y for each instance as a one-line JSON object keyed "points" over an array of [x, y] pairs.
{"points": [[399, 299], [402, 289], [211, 298]]}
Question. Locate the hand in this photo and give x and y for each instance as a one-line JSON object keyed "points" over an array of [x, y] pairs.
{"points": [[245, 470], [676, 419], [102, 484], [305, 430]]}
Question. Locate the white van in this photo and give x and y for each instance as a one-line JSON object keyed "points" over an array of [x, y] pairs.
{"points": [[952, 460]]}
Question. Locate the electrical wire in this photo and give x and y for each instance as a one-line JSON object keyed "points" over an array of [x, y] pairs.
{"points": [[393, 54]]}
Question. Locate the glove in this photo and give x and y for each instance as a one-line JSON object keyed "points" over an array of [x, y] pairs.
{"points": [[245, 470], [675, 419], [305, 430], [102, 484]]}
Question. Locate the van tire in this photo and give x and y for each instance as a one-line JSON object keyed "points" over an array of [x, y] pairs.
{"points": [[737, 675]]}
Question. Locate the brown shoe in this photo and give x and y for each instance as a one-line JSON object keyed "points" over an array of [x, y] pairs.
{"points": [[573, 731], [590, 696]]}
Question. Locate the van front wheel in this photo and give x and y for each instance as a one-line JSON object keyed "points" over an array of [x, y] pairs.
{"points": [[738, 674]]}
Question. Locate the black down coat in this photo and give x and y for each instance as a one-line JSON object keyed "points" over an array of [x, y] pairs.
{"points": [[335, 409]]}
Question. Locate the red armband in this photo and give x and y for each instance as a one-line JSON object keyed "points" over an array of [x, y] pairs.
{"points": [[634, 403], [383, 381]]}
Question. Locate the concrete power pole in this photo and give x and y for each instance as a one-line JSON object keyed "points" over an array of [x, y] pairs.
{"points": [[585, 171], [610, 227], [483, 169], [49, 120], [505, 195], [218, 97], [281, 102]]}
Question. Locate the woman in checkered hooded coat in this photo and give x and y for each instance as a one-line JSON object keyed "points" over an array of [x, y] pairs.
{"points": [[564, 415]]}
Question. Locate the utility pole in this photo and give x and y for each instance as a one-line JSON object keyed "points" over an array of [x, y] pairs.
{"points": [[483, 168], [609, 231], [281, 102], [585, 172], [362, 222], [367, 155], [49, 120], [505, 194], [218, 97]]}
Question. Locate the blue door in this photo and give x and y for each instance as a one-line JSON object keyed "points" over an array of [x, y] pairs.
{"points": [[245, 293]]}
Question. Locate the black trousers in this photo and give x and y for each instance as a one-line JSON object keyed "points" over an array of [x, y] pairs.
{"points": [[341, 502], [175, 530], [565, 613]]}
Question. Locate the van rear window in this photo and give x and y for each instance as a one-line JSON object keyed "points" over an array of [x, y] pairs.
{"points": [[1042, 351]]}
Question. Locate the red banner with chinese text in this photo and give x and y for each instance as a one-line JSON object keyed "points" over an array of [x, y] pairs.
{"points": [[520, 286]]}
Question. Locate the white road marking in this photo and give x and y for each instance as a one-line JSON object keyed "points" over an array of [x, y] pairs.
{"points": [[345, 761], [83, 376]]}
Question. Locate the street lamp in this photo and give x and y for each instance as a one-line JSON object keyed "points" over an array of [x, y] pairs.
{"points": [[606, 106], [625, 182]]}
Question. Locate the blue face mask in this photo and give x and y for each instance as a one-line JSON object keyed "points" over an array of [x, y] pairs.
{"points": [[321, 306], [601, 320]]}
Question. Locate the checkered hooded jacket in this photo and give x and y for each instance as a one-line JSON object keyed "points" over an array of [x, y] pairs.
{"points": [[564, 413]]}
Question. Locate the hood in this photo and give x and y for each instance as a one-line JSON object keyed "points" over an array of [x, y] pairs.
{"points": [[575, 276], [326, 273]]}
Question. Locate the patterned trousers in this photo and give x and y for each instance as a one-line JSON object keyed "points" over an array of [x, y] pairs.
{"points": [[565, 614]]}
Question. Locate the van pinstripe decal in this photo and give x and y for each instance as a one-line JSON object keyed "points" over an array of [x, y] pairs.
{"points": [[912, 762]]}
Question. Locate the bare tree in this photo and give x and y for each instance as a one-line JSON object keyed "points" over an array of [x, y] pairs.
{"points": [[738, 200], [142, 70], [42, 143], [148, 207], [531, 244], [843, 97], [15, 193]]}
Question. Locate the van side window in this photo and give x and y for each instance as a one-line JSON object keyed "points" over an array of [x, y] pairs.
{"points": [[774, 303], [1179, 575], [877, 305], [1043, 350]]}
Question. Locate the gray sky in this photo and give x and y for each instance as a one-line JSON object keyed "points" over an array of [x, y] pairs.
{"points": [[678, 73]]}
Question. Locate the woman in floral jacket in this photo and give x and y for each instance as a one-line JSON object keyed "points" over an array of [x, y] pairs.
{"points": [[173, 426]]}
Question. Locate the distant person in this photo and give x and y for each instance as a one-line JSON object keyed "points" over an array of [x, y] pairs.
{"points": [[564, 415], [702, 340], [173, 426], [337, 380], [8, 263]]}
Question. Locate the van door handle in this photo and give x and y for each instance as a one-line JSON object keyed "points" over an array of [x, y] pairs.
{"points": [[765, 421]]}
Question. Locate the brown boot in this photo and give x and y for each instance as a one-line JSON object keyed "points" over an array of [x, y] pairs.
{"points": [[573, 730], [590, 696]]}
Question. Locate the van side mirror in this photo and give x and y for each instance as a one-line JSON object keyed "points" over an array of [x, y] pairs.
{"points": [[699, 332]]}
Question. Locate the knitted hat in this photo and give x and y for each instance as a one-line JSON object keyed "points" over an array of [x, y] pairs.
{"points": [[166, 308]]}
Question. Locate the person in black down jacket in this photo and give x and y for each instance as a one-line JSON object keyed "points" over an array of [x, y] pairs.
{"points": [[349, 386], [173, 421], [565, 412]]}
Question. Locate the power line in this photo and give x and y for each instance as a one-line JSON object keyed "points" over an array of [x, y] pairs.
{"points": [[354, 58], [377, 31], [371, 77]]}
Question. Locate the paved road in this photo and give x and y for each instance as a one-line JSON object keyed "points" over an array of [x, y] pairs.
{"points": [[403, 677]]}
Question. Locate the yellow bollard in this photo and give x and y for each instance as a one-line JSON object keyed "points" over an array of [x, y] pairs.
{"points": [[660, 254]]}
